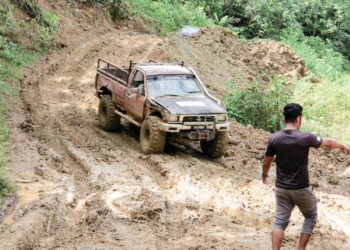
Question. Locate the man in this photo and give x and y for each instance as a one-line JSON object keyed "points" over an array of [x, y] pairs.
{"points": [[291, 148]]}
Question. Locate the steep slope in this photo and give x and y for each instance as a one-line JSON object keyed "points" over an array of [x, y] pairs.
{"points": [[83, 188]]}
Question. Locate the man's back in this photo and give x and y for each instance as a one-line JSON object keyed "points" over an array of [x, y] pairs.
{"points": [[291, 148]]}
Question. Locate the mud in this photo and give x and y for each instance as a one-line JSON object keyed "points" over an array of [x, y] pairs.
{"points": [[83, 188]]}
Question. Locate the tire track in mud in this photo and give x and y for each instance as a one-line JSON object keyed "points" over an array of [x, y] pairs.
{"points": [[109, 194], [69, 148], [65, 149]]}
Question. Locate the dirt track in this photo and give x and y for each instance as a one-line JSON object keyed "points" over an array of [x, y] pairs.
{"points": [[83, 188]]}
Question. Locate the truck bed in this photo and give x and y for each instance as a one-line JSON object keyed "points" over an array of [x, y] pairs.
{"points": [[116, 73]]}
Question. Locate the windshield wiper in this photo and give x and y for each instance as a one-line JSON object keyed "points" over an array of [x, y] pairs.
{"points": [[168, 95], [193, 92]]}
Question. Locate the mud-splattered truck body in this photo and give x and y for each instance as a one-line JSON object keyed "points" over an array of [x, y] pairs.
{"points": [[167, 101]]}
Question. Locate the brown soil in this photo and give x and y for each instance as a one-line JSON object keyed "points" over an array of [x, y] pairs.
{"points": [[83, 188], [221, 59]]}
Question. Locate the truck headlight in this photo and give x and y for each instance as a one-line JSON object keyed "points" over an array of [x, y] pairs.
{"points": [[173, 118], [221, 118]]}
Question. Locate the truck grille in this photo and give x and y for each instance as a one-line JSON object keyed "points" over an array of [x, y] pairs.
{"points": [[201, 118]]}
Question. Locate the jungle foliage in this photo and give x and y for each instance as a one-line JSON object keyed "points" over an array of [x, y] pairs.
{"points": [[259, 105], [327, 19]]}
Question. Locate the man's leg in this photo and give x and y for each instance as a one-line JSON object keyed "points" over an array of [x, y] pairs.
{"points": [[306, 200], [284, 207], [304, 239], [277, 238]]}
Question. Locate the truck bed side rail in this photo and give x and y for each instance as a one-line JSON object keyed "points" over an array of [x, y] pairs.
{"points": [[112, 71]]}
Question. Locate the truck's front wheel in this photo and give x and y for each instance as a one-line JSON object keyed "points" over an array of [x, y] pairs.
{"points": [[216, 147], [109, 121], [152, 139]]}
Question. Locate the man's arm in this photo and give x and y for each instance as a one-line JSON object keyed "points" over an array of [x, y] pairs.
{"points": [[331, 143], [266, 167]]}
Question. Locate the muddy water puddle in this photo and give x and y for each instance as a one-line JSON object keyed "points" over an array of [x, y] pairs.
{"points": [[28, 193]]}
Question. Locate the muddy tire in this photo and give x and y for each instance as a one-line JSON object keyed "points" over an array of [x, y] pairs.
{"points": [[109, 121], [217, 147], [152, 139]]}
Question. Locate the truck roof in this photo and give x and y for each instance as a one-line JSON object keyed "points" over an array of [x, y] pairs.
{"points": [[164, 69]]}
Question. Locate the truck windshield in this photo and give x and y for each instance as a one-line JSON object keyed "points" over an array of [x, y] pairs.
{"points": [[173, 86]]}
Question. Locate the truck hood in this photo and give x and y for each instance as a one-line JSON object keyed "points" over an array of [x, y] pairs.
{"points": [[190, 105]]}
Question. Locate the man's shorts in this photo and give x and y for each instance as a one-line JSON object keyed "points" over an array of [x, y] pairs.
{"points": [[304, 198]]}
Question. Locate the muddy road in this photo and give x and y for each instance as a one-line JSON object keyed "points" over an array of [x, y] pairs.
{"points": [[82, 188]]}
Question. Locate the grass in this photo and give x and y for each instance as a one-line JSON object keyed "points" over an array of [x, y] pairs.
{"points": [[21, 43], [170, 15], [6, 92], [12, 61], [326, 101], [326, 106], [320, 57]]}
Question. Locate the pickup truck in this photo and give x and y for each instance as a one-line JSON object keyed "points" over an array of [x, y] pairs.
{"points": [[166, 100]]}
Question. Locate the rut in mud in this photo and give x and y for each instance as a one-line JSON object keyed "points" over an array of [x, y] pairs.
{"points": [[83, 188]]}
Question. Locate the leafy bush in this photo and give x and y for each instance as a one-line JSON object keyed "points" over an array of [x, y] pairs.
{"points": [[36, 35], [50, 19], [43, 17], [327, 19], [170, 15], [258, 105], [118, 10]]}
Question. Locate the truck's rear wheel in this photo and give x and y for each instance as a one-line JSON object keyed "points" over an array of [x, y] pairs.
{"points": [[109, 121], [152, 139], [216, 147]]}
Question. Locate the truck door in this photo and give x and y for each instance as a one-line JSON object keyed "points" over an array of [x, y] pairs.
{"points": [[135, 96]]}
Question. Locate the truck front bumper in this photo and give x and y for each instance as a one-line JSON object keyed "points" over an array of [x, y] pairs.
{"points": [[194, 126]]}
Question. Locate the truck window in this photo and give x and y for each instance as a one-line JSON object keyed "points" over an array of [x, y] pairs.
{"points": [[173, 86], [139, 82]]}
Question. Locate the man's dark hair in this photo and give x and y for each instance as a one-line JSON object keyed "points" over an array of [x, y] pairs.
{"points": [[291, 111]]}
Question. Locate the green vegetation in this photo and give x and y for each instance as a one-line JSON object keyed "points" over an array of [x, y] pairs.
{"points": [[327, 19], [5, 91], [117, 9], [326, 100], [319, 32], [170, 15], [319, 56], [21, 42], [326, 106], [259, 105]]}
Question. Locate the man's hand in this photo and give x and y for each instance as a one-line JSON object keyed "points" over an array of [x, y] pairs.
{"points": [[265, 168], [331, 143], [346, 149]]}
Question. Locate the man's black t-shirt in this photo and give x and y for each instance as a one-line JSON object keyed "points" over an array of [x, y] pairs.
{"points": [[291, 148]]}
